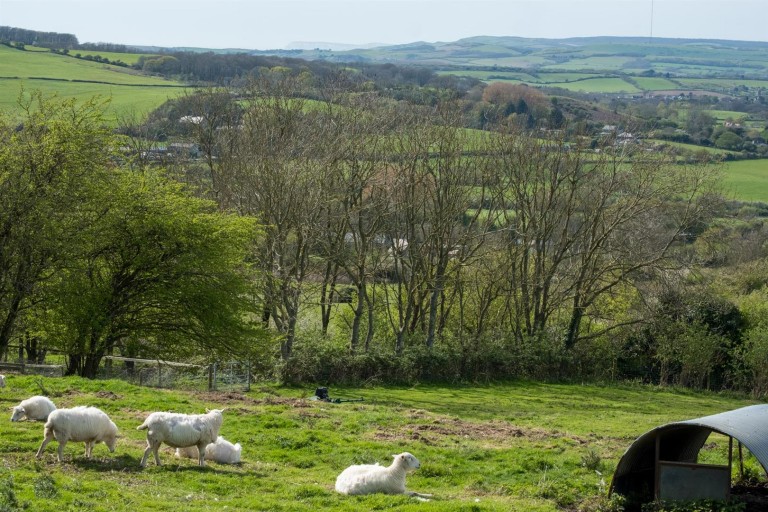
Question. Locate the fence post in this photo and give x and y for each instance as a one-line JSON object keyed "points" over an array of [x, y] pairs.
{"points": [[159, 375], [211, 371], [248, 377]]}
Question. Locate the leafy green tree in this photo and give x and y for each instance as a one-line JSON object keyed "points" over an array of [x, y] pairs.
{"points": [[699, 124], [49, 162], [157, 265], [729, 140]]}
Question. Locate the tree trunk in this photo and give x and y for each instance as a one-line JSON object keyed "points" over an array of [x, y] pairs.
{"points": [[10, 319]]}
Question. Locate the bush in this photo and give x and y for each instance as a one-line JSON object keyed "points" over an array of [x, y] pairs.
{"points": [[488, 359]]}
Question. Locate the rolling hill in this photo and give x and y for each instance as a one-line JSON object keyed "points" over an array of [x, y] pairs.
{"points": [[66, 76]]}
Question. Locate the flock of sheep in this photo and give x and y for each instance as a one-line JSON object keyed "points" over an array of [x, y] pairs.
{"points": [[193, 436]]}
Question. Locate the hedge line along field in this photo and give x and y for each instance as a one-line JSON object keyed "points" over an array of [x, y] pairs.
{"points": [[518, 446]]}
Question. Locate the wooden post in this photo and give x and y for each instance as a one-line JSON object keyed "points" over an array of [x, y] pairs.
{"points": [[210, 377], [656, 476], [159, 375], [248, 377], [741, 463]]}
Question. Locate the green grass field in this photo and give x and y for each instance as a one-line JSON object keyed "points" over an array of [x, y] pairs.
{"points": [[128, 58], [655, 84], [521, 446], [70, 77], [747, 180], [596, 85], [611, 63]]}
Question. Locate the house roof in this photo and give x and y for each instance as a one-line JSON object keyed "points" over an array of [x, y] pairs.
{"points": [[681, 441]]}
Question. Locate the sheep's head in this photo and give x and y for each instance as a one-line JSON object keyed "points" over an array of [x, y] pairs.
{"points": [[408, 461], [111, 439], [18, 413]]}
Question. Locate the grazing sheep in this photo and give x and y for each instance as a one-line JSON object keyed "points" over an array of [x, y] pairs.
{"points": [[34, 408], [180, 431], [373, 478], [2, 381], [81, 424], [222, 451]]}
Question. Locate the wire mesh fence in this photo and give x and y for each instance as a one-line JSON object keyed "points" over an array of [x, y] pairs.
{"points": [[214, 376], [228, 376]]}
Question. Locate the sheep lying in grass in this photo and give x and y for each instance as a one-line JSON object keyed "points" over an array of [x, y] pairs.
{"points": [[81, 424], [222, 451], [34, 408], [181, 431], [373, 478]]}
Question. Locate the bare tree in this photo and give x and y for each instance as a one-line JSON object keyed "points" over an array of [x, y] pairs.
{"points": [[580, 224]]}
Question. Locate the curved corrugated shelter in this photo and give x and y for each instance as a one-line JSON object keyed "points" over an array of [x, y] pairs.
{"points": [[681, 442]]}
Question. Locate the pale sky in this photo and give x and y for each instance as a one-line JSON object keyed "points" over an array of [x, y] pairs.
{"points": [[270, 24]]}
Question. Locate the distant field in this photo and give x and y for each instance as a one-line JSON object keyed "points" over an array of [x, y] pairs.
{"points": [[69, 77], [491, 76], [526, 61], [721, 84], [22, 64], [655, 84], [607, 85], [128, 58], [596, 63], [690, 147], [722, 115], [124, 98], [556, 77], [747, 180]]}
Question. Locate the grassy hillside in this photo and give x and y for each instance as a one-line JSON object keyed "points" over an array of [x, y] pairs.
{"points": [[522, 446], [67, 76], [657, 64], [747, 180]]}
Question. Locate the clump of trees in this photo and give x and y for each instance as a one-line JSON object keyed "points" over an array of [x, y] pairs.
{"points": [[96, 259], [395, 239]]}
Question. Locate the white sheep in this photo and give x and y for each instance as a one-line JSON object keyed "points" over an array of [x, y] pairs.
{"points": [[222, 451], [188, 452], [80, 424], [180, 431], [373, 478], [34, 408], [2, 381]]}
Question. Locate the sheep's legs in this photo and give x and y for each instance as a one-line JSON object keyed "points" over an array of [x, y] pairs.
{"points": [[201, 455], [88, 449], [62, 444], [151, 447], [46, 440]]}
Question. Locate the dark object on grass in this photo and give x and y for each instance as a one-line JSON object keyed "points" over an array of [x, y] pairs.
{"points": [[322, 394]]}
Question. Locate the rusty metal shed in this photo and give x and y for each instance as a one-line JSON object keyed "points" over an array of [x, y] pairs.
{"points": [[666, 457]]}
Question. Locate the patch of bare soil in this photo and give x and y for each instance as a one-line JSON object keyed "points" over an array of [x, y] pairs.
{"points": [[109, 395], [230, 398], [441, 428]]}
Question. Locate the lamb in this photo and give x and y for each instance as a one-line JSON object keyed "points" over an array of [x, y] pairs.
{"points": [[222, 451], [181, 431], [373, 478], [87, 424], [34, 408]]}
